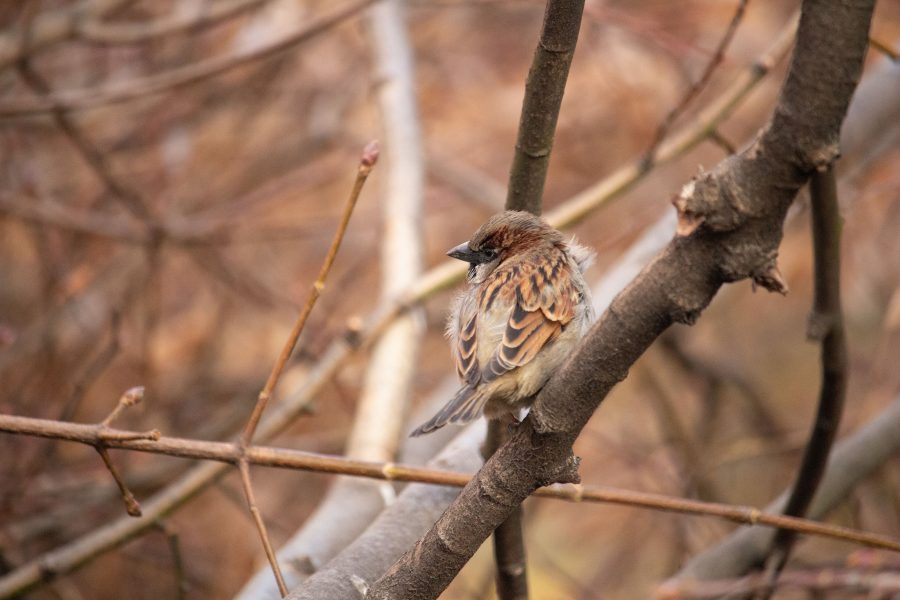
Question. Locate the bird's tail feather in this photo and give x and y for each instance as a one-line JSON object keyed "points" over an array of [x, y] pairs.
{"points": [[466, 406]]}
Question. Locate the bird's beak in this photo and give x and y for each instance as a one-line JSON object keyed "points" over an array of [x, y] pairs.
{"points": [[464, 253]]}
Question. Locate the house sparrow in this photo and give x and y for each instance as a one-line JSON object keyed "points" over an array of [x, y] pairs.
{"points": [[525, 308]]}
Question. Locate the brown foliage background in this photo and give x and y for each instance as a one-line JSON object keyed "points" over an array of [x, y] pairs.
{"points": [[262, 157]]}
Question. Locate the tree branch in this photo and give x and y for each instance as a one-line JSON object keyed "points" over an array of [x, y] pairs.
{"points": [[730, 227], [540, 109], [826, 324]]}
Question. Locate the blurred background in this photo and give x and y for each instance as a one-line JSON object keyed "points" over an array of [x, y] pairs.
{"points": [[162, 232]]}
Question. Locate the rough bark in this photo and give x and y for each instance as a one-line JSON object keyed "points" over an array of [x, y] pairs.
{"points": [[544, 91]]}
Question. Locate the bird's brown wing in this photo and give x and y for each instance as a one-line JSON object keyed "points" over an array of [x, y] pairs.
{"points": [[467, 345], [544, 302]]}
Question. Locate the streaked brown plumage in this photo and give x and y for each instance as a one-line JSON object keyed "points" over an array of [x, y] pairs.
{"points": [[525, 308]]}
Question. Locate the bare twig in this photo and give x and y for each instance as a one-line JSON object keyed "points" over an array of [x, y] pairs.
{"points": [[383, 403], [129, 398], [323, 463], [177, 559], [70, 556], [132, 507], [177, 78], [707, 120], [367, 161], [94, 369], [540, 109], [247, 486], [826, 325], [129, 198], [695, 89], [885, 49]]}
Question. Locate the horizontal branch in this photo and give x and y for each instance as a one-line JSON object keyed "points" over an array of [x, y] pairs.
{"points": [[284, 458]]}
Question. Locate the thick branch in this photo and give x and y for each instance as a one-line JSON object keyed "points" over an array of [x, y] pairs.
{"points": [[736, 214], [509, 540], [540, 109]]}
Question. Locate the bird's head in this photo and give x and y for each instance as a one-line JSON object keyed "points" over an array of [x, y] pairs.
{"points": [[502, 237]]}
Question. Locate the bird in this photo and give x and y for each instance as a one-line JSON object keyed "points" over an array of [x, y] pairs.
{"points": [[525, 307]]}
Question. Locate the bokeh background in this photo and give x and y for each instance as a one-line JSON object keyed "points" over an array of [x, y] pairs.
{"points": [[248, 171]]}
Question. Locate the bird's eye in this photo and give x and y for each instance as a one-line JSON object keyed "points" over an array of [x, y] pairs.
{"points": [[491, 253]]}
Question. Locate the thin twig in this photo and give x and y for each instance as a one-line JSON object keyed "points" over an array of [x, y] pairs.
{"points": [[177, 559], [132, 507], [367, 161], [707, 120], [247, 486], [180, 77], [323, 463], [826, 325], [129, 198], [94, 369], [544, 91], [720, 140], [695, 89], [129, 398], [885, 49]]}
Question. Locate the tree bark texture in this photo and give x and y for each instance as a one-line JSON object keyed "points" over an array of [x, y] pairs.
{"points": [[730, 227], [540, 108]]}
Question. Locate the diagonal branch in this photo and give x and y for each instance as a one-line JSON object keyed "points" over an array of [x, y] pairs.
{"points": [[697, 87], [730, 228]]}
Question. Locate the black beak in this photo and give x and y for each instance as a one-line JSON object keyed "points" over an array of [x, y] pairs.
{"points": [[464, 253]]}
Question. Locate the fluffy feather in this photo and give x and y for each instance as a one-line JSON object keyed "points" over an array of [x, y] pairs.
{"points": [[520, 316]]}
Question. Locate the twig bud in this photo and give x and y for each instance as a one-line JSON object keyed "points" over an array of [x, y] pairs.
{"points": [[370, 154]]}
